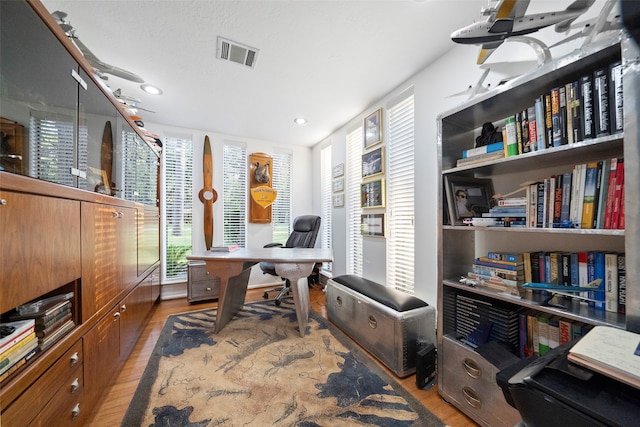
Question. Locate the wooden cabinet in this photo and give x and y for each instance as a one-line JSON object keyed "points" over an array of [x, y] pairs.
{"points": [[12, 153], [459, 245], [42, 233]]}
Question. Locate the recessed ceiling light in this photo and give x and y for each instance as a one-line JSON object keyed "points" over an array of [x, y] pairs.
{"points": [[151, 89], [300, 121]]}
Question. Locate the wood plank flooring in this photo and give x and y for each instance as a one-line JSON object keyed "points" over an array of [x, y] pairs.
{"points": [[110, 411]]}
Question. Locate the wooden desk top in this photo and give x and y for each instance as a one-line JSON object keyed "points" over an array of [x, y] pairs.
{"points": [[275, 255]]}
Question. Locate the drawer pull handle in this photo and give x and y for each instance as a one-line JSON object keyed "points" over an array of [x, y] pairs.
{"points": [[339, 301], [471, 368], [373, 322], [75, 411], [471, 397], [116, 316], [208, 289], [75, 385], [74, 359], [123, 308]]}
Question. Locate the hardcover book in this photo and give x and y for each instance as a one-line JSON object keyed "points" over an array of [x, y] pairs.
{"points": [[615, 92], [601, 101], [611, 282], [575, 111], [586, 104], [588, 205]]}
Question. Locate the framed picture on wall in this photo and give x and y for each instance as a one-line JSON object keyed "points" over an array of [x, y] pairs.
{"points": [[373, 163], [372, 225], [467, 197], [373, 129], [372, 194], [338, 185], [338, 170], [338, 200]]}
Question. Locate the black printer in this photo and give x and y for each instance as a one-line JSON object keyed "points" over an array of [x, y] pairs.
{"points": [[550, 391]]}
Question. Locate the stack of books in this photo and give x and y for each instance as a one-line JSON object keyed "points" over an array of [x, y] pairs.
{"points": [[17, 345], [51, 322], [509, 212], [482, 154], [501, 271]]}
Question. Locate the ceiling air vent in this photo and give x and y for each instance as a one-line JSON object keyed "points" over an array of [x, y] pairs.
{"points": [[228, 50]]}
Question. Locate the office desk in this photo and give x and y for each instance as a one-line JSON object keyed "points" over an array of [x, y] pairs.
{"points": [[234, 269]]}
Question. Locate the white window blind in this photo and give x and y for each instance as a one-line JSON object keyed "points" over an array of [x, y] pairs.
{"points": [[326, 183], [178, 207], [400, 195], [51, 148], [234, 186], [352, 194], [281, 208]]}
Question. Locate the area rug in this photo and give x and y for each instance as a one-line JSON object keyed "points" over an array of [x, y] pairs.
{"points": [[258, 371]]}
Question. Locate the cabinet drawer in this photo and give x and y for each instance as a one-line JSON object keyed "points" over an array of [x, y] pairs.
{"points": [[204, 290], [64, 409], [35, 398], [469, 379], [198, 273]]}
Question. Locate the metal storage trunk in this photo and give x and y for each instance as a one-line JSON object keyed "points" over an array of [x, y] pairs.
{"points": [[389, 324]]}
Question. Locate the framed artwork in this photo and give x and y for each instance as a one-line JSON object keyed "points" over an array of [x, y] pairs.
{"points": [[373, 163], [338, 200], [338, 170], [372, 194], [467, 197], [372, 225], [338, 185], [373, 129]]}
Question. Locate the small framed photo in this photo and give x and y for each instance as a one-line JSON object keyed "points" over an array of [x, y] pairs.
{"points": [[338, 200], [373, 129], [373, 163], [338, 170], [372, 225], [467, 197], [372, 194], [338, 185]]}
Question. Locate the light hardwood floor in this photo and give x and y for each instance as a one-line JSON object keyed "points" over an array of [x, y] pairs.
{"points": [[116, 399]]}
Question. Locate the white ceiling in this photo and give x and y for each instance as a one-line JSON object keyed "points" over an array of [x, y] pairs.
{"points": [[327, 60]]}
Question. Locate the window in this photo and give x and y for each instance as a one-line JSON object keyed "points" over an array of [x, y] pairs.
{"points": [[177, 193], [234, 171], [281, 208], [353, 179], [400, 195], [326, 183]]}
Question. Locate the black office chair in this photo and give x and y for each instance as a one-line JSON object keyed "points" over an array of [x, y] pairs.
{"points": [[304, 234]]}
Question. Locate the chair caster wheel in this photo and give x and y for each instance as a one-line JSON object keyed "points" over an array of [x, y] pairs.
{"points": [[265, 295], [277, 303]]}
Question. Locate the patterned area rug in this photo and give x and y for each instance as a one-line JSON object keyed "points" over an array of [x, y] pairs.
{"points": [[259, 372]]}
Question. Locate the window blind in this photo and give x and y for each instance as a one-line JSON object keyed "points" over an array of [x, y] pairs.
{"points": [[326, 183], [234, 186], [51, 148], [352, 195], [400, 195], [178, 207], [281, 208]]}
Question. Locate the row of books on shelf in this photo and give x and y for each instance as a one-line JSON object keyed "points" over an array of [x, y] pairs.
{"points": [[540, 332], [506, 272], [591, 196], [28, 334], [589, 107]]}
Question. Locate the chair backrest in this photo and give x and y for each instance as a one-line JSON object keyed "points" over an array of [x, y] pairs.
{"points": [[305, 232]]}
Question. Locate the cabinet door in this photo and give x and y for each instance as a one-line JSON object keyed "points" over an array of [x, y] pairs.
{"points": [[42, 233], [109, 257], [96, 138], [148, 238], [39, 92], [101, 347], [133, 310]]}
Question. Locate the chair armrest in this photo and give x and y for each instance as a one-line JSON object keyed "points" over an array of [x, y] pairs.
{"points": [[272, 245]]}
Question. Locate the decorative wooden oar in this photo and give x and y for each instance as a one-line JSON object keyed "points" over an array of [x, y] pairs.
{"points": [[208, 195]]}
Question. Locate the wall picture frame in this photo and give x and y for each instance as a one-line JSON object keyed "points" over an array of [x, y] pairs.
{"points": [[373, 129], [372, 194], [372, 225], [338, 170], [467, 197], [338, 200], [338, 185], [373, 163]]}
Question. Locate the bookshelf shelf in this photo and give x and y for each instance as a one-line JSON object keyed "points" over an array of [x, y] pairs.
{"points": [[459, 245]]}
